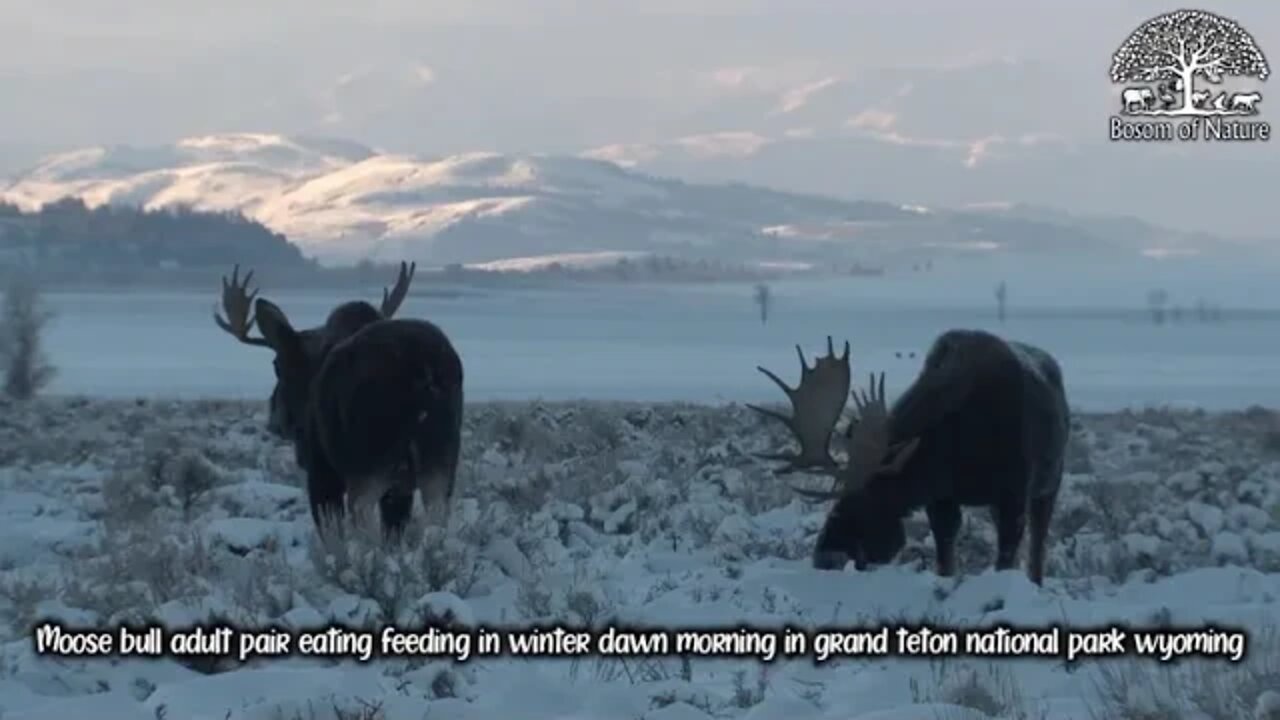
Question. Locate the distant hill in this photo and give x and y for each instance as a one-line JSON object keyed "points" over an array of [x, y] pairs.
{"points": [[341, 203]]}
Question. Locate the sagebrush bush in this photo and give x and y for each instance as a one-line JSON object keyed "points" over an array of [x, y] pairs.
{"points": [[169, 475], [357, 560], [1137, 689]]}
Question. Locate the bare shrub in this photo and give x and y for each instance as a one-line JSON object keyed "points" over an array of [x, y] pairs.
{"points": [[748, 694], [129, 495], [21, 598], [361, 562], [136, 569], [186, 470], [990, 689], [355, 709], [169, 476], [533, 600], [1268, 428], [23, 318], [1113, 504], [528, 493], [263, 585], [1136, 689]]}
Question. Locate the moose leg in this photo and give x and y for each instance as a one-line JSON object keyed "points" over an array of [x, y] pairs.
{"points": [[434, 459], [363, 494], [1010, 514], [326, 494], [1040, 515], [435, 486], [395, 506], [944, 520]]}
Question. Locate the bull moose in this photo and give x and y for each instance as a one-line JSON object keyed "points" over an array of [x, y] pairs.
{"points": [[986, 422], [372, 403]]}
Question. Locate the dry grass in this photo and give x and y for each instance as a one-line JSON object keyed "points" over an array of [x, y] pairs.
{"points": [[1134, 689], [985, 686]]}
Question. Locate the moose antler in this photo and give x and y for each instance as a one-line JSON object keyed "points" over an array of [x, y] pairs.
{"points": [[391, 300], [237, 302], [816, 404], [870, 451]]}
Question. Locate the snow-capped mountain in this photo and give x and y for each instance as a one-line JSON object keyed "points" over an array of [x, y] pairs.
{"points": [[342, 202]]}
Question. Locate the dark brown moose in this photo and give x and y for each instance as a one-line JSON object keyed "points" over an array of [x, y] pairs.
{"points": [[986, 422], [372, 403]]}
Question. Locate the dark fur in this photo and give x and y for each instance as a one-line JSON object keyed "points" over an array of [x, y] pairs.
{"points": [[343, 322], [993, 423], [366, 401]]}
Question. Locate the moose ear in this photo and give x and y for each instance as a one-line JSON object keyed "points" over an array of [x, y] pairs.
{"points": [[274, 326]]}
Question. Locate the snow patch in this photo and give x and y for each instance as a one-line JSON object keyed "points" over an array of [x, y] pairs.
{"points": [[583, 260]]}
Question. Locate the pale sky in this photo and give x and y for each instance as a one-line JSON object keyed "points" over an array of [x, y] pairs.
{"points": [[89, 71]]}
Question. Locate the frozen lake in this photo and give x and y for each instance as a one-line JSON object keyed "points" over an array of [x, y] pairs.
{"points": [[693, 343]]}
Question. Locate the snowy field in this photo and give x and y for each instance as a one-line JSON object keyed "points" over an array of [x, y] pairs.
{"points": [[592, 514], [701, 344]]}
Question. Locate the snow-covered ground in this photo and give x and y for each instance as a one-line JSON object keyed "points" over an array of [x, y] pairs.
{"points": [[591, 514]]}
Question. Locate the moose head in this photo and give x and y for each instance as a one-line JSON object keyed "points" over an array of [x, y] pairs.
{"points": [[859, 526], [298, 353]]}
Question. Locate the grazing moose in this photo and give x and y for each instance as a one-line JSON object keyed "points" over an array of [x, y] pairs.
{"points": [[371, 403], [985, 423]]}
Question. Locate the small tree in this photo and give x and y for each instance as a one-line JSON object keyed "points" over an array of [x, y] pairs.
{"points": [[763, 298], [1156, 299], [22, 321], [1002, 295]]}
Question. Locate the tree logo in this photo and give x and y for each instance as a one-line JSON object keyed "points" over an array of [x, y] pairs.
{"points": [[1182, 74]]}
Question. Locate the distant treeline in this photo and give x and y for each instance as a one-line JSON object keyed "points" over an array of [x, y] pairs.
{"points": [[70, 245], [68, 237]]}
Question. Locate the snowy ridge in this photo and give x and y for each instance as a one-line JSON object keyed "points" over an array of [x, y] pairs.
{"points": [[338, 200], [342, 202], [594, 514]]}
